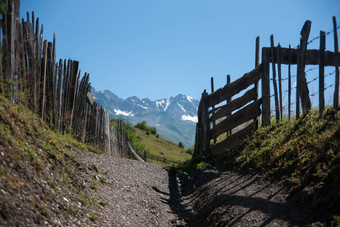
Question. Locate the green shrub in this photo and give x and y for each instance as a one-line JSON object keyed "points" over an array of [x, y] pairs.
{"points": [[143, 126]]}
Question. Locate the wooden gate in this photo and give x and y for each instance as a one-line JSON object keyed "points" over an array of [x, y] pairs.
{"points": [[219, 129]]}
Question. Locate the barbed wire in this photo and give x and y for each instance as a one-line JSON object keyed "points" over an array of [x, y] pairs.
{"points": [[318, 37], [312, 95], [314, 79], [329, 86], [293, 76]]}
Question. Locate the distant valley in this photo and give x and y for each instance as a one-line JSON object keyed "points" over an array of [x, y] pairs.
{"points": [[175, 118]]}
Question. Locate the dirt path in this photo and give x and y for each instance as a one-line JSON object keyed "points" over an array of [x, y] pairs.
{"points": [[137, 193], [142, 194], [235, 199]]}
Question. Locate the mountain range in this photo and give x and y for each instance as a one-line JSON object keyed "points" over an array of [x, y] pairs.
{"points": [[175, 118]]}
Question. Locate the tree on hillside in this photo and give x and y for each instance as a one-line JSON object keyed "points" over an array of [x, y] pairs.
{"points": [[143, 126], [153, 130], [181, 145]]}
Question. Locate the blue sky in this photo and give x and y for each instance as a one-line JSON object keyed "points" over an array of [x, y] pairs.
{"points": [[160, 48]]}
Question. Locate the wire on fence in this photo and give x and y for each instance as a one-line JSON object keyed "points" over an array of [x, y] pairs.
{"points": [[315, 93], [318, 37], [295, 75]]}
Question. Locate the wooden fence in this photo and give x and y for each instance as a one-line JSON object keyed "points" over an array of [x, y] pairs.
{"points": [[301, 57], [31, 76], [218, 129]]}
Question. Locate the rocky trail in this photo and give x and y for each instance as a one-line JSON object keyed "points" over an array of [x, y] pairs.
{"points": [[143, 194]]}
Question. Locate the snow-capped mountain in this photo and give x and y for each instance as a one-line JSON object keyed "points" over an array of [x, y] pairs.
{"points": [[175, 117]]}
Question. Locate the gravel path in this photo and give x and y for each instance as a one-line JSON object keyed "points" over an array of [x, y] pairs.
{"points": [[143, 194], [235, 199], [136, 194]]}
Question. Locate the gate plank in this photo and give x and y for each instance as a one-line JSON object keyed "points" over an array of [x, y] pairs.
{"points": [[233, 141], [235, 87], [245, 114], [234, 104]]}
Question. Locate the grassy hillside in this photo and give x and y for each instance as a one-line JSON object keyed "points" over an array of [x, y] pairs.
{"points": [[41, 180], [159, 150], [168, 127], [304, 153]]}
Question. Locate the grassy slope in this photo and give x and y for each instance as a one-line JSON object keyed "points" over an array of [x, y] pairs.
{"points": [[40, 178], [162, 148], [303, 153], [162, 151]]}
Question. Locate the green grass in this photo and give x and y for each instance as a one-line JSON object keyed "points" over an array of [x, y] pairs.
{"points": [[161, 148]]}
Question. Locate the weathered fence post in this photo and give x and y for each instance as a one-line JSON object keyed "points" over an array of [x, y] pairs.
{"points": [[277, 111], [228, 101], [43, 104], [297, 101], [289, 85], [203, 127], [207, 126], [336, 90], [301, 77], [213, 107], [256, 85], [321, 73], [265, 90], [280, 81]]}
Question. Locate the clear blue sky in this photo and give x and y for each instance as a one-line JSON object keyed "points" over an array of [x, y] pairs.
{"points": [[160, 48]]}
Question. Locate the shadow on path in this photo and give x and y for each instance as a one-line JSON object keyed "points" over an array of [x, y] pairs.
{"points": [[183, 185]]}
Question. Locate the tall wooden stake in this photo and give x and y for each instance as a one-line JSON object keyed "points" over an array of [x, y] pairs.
{"points": [[277, 111], [207, 122], [336, 90], [322, 73], [213, 107], [280, 81], [265, 91], [256, 85], [297, 89], [301, 77], [43, 106], [289, 87], [228, 101]]}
